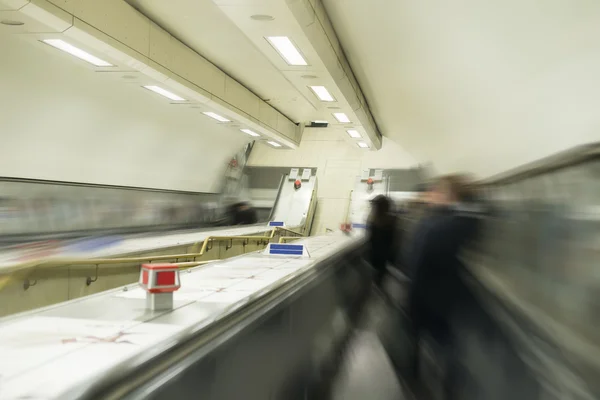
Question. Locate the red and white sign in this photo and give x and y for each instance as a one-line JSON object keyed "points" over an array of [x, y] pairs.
{"points": [[160, 278]]}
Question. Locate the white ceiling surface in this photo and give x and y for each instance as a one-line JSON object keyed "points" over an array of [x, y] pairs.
{"points": [[224, 33], [202, 26], [479, 86], [63, 121]]}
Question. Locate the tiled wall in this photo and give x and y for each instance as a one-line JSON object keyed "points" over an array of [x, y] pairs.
{"points": [[338, 162]]}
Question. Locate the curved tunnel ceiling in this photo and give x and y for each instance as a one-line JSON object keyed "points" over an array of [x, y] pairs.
{"points": [[478, 86], [469, 86]]}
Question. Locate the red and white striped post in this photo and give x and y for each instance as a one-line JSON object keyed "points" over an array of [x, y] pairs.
{"points": [[159, 281]]}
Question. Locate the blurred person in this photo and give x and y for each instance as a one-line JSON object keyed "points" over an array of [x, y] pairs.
{"points": [[381, 230], [244, 214], [417, 221], [434, 262]]}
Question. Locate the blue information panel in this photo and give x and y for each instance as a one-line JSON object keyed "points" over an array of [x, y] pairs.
{"points": [[276, 223], [359, 226], [286, 249]]}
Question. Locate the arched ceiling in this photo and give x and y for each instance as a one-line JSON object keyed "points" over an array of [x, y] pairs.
{"points": [[467, 85], [472, 85]]}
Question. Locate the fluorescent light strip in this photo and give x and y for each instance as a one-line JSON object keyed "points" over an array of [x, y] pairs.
{"points": [[341, 117], [74, 51], [274, 144], [163, 92], [322, 93], [287, 50], [249, 132], [354, 133], [216, 116], [363, 145]]}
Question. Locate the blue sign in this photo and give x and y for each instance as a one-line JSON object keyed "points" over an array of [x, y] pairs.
{"points": [[286, 249], [276, 223], [359, 226]]}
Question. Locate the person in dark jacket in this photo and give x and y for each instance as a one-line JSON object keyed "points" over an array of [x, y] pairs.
{"points": [[419, 212], [244, 214], [381, 230], [435, 265]]}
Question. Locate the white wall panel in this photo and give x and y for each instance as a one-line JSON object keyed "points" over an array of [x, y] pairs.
{"points": [[62, 121]]}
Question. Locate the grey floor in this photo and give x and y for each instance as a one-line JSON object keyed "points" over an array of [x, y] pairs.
{"points": [[367, 372], [493, 366]]}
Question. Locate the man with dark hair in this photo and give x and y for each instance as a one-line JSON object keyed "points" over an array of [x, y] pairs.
{"points": [[244, 214], [434, 263]]}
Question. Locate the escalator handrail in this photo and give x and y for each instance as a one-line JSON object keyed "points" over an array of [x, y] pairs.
{"points": [[520, 327], [281, 181]]}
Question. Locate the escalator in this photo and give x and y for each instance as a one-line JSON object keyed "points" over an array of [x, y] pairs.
{"points": [[327, 335], [280, 345], [321, 333]]}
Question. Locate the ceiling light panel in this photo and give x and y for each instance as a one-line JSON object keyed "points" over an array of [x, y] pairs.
{"points": [[341, 117], [287, 50], [216, 116], [322, 93], [354, 133], [249, 132], [274, 144], [163, 92], [74, 51], [363, 145]]}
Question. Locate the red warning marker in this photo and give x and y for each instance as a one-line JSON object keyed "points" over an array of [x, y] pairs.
{"points": [[159, 281]]}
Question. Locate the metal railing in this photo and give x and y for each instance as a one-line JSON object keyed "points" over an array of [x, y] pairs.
{"points": [[28, 268]]}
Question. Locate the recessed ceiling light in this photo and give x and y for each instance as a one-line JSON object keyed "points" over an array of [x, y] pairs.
{"points": [[362, 145], [11, 22], [287, 50], [274, 144], [249, 132], [262, 17], [163, 92], [322, 93], [354, 133], [74, 51], [216, 116], [341, 117]]}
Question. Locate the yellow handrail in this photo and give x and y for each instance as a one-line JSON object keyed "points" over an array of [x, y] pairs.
{"points": [[192, 264], [122, 260], [284, 239]]}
